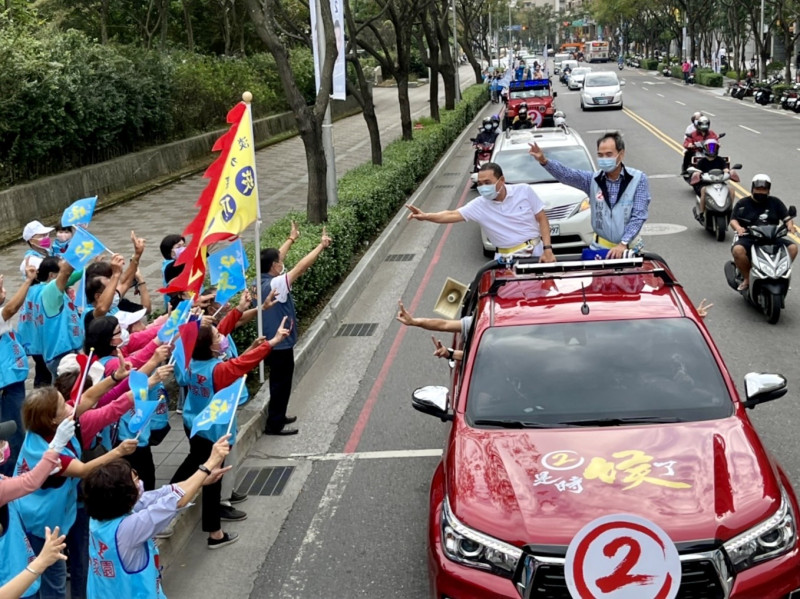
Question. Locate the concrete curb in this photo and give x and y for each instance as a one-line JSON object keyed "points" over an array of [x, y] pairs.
{"points": [[252, 417]]}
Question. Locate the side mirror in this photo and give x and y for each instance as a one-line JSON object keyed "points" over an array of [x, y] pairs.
{"points": [[432, 400], [622, 83], [721, 135], [737, 166], [555, 94], [761, 387]]}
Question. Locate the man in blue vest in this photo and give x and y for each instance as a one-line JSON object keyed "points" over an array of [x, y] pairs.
{"points": [[619, 196], [281, 359]]}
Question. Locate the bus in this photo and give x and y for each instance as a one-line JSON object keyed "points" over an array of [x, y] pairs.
{"points": [[572, 47], [596, 51]]}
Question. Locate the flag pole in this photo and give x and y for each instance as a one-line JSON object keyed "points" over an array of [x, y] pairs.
{"points": [[247, 97], [83, 382], [238, 395]]}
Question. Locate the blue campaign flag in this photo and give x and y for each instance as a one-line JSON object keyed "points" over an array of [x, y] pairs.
{"points": [[143, 409], [80, 294], [220, 410], [138, 384], [227, 268], [179, 360], [83, 248], [176, 318], [79, 213]]}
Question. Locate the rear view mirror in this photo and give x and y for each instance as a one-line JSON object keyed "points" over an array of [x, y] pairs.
{"points": [[736, 166], [721, 135], [432, 400], [555, 94], [761, 387], [622, 83]]}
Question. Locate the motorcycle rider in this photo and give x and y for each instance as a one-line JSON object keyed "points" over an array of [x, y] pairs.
{"points": [[750, 211], [495, 88], [711, 160], [694, 142], [522, 120], [495, 122]]}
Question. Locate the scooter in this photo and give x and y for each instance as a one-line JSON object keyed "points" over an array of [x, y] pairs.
{"points": [[763, 93], [698, 153], [771, 269], [718, 199], [744, 88], [483, 154]]}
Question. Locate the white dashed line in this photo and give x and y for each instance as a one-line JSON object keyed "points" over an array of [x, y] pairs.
{"points": [[752, 130], [661, 95], [709, 113], [679, 102]]}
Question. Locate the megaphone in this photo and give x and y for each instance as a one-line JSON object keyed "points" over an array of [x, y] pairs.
{"points": [[450, 299]]}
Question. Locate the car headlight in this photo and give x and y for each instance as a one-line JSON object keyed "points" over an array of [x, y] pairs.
{"points": [[773, 537], [475, 549], [585, 205]]}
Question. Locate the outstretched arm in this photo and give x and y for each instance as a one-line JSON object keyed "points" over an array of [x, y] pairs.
{"points": [[441, 218]]}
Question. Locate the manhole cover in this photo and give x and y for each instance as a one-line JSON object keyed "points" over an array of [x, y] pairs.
{"points": [[661, 229]]}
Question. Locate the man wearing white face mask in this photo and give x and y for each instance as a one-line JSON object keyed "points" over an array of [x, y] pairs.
{"points": [[619, 196], [511, 216]]}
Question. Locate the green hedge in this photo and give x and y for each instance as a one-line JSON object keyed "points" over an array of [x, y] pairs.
{"points": [[68, 101], [708, 78], [369, 196], [649, 64]]}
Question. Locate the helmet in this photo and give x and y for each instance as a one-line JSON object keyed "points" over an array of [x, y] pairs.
{"points": [[495, 121], [523, 105], [703, 123], [487, 123], [761, 180], [711, 148], [696, 116]]}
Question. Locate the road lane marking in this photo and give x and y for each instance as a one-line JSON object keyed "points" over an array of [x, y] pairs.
{"points": [[312, 542], [749, 129], [707, 113], [661, 95], [679, 102], [391, 454]]}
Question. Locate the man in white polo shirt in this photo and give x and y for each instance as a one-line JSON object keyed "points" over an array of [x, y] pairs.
{"points": [[511, 216]]}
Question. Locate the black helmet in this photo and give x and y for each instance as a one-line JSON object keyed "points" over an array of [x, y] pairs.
{"points": [[487, 122], [495, 121], [523, 105]]}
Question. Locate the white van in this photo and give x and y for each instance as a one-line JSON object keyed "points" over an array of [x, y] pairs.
{"points": [[557, 60]]}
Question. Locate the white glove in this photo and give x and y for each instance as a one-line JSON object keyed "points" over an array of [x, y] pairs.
{"points": [[64, 432]]}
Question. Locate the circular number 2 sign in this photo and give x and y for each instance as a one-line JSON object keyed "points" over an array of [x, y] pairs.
{"points": [[622, 557]]}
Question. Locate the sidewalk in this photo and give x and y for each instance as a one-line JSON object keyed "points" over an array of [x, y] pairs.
{"points": [[169, 210]]}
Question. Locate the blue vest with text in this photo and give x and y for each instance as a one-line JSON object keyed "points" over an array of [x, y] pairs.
{"points": [[201, 391], [234, 353], [13, 360], [15, 548], [56, 502], [610, 223], [31, 320], [108, 577], [62, 333]]}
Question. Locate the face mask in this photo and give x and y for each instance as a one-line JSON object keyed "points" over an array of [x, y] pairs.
{"points": [[6, 453], [760, 197], [115, 301], [126, 336], [224, 344], [489, 191], [283, 270], [487, 128], [178, 251], [44, 243], [607, 164], [522, 112]]}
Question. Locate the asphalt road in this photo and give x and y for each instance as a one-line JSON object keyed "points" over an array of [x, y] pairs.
{"points": [[358, 526]]}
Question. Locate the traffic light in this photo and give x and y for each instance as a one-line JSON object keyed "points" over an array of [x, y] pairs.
{"points": [[524, 28]]}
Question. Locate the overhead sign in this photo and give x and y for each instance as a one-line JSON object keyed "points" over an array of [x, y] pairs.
{"points": [[622, 557]]}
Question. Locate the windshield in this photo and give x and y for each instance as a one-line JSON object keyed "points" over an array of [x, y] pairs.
{"points": [[571, 372], [530, 93], [520, 167], [600, 81], [579, 72]]}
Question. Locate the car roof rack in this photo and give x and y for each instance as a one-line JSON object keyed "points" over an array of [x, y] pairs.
{"points": [[528, 269]]}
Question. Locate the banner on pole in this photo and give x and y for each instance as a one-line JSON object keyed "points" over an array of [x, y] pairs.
{"points": [[339, 67]]}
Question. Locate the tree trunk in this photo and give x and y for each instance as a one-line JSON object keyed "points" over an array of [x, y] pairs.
{"points": [[164, 16], [363, 95], [187, 19], [317, 200], [476, 66], [103, 20], [405, 105]]}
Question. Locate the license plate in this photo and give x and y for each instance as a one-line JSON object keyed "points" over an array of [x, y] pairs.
{"points": [[555, 230], [602, 101]]}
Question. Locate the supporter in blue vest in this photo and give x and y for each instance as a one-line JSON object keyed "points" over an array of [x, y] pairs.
{"points": [[50, 326], [27, 580], [207, 374], [125, 518], [106, 287], [56, 503], [18, 577], [619, 196], [63, 237], [40, 246], [14, 368], [281, 360]]}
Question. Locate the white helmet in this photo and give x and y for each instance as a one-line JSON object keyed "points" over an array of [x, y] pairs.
{"points": [[761, 180], [696, 116]]}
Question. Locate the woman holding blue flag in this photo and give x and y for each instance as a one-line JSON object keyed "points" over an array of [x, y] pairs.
{"points": [[207, 375], [125, 518], [56, 503]]}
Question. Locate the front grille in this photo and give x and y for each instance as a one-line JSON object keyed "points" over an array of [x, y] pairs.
{"points": [[698, 581], [565, 239], [560, 212]]}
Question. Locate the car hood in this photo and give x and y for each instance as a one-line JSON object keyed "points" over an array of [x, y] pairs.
{"points": [[557, 194], [601, 90], [703, 480]]}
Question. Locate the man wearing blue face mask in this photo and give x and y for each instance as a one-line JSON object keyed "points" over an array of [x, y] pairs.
{"points": [[511, 216], [619, 196]]}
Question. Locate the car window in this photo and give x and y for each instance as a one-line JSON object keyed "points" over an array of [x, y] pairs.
{"points": [[530, 93], [600, 80], [555, 373], [521, 167], [580, 71]]}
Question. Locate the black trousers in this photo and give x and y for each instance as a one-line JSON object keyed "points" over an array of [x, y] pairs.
{"points": [[199, 452], [41, 374], [141, 460], [281, 373]]}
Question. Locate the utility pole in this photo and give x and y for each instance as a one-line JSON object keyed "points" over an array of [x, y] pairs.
{"points": [[763, 40]]}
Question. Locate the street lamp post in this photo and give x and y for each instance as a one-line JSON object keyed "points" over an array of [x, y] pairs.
{"points": [[455, 52], [761, 37]]}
